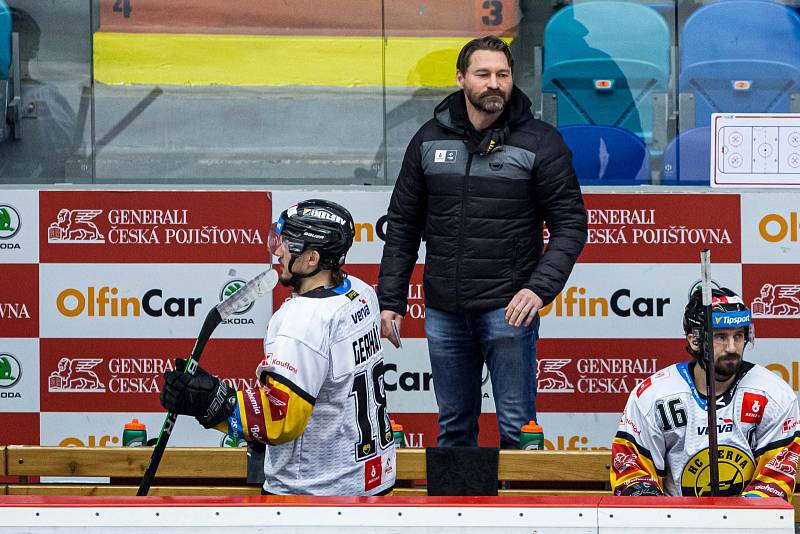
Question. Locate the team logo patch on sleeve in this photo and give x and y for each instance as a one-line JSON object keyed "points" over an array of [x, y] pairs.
{"points": [[373, 473], [753, 406], [785, 462], [278, 403]]}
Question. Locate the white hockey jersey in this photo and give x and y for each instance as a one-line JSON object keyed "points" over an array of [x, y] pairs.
{"points": [[662, 439], [322, 408]]}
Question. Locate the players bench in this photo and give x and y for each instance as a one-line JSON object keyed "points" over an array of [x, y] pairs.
{"points": [[221, 471]]}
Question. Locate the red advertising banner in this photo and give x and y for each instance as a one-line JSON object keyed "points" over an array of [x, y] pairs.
{"points": [[126, 375], [153, 226], [19, 301], [597, 375], [19, 428], [772, 292], [645, 228]]}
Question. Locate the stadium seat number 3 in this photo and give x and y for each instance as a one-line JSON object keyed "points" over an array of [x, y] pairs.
{"points": [[362, 382], [494, 17]]}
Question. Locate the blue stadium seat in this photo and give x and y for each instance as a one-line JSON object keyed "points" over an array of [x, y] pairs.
{"points": [[687, 158], [607, 155], [740, 56], [5, 41], [10, 117], [604, 60]]}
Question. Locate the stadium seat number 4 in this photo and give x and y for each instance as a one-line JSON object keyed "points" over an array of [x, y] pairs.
{"points": [[123, 6]]}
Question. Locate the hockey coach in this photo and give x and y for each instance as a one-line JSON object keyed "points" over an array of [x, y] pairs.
{"points": [[479, 180]]}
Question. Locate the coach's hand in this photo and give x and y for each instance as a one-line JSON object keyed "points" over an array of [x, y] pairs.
{"points": [[523, 307], [386, 326], [201, 395]]}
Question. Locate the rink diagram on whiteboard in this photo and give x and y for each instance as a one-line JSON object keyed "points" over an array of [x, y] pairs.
{"points": [[755, 150]]}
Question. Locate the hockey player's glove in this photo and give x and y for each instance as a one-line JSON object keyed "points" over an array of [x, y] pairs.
{"points": [[642, 489], [201, 395]]}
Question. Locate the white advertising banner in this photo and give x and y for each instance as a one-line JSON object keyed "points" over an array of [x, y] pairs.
{"points": [[19, 226], [144, 301], [628, 301], [770, 228], [369, 215], [19, 375], [104, 429]]}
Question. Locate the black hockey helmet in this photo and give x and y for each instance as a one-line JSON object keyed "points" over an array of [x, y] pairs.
{"points": [[725, 302], [314, 224]]}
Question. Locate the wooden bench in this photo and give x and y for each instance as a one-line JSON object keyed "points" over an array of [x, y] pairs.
{"points": [[221, 471]]}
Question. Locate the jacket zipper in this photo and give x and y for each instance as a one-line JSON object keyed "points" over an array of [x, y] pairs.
{"points": [[460, 253]]}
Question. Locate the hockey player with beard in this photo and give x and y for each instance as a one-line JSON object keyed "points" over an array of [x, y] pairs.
{"points": [[661, 446], [321, 404]]}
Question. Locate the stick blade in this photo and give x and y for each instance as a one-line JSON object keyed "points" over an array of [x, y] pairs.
{"points": [[250, 292]]}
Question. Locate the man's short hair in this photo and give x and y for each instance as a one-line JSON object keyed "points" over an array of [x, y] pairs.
{"points": [[490, 42]]}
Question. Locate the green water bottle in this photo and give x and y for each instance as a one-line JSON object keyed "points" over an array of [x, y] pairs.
{"points": [[531, 437], [397, 434], [134, 434]]}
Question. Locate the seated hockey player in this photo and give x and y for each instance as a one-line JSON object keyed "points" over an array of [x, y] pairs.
{"points": [[661, 446], [321, 404]]}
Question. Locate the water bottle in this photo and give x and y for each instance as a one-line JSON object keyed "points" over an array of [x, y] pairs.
{"points": [[531, 437], [134, 434], [397, 434]]}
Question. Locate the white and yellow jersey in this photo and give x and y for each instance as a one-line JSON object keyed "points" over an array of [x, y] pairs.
{"points": [[662, 439], [322, 405]]}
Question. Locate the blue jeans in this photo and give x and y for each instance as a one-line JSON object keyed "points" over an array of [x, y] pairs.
{"points": [[458, 345]]}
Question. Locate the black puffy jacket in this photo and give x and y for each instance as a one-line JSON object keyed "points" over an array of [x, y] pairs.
{"points": [[482, 212]]}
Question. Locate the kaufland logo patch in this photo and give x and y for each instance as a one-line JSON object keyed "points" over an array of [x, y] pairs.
{"points": [[738, 319], [9, 221]]}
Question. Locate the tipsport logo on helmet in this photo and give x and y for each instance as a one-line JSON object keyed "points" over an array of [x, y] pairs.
{"points": [[732, 319]]}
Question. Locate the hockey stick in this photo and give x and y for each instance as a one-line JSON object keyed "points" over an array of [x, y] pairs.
{"points": [[711, 378], [241, 299]]}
